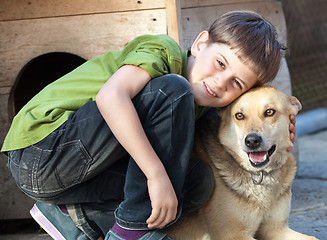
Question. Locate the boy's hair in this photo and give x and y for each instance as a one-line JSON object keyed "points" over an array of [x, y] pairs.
{"points": [[255, 39]]}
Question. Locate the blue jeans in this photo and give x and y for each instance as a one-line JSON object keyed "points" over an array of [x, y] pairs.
{"points": [[81, 164]]}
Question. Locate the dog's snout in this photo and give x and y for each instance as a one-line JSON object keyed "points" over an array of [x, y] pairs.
{"points": [[253, 141]]}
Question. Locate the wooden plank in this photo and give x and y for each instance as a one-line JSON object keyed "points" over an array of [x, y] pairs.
{"points": [[30, 9], [195, 20], [202, 3], [86, 36], [283, 79], [173, 15], [14, 204], [4, 90]]}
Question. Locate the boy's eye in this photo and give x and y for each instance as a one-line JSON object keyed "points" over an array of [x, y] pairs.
{"points": [[221, 64], [239, 85]]}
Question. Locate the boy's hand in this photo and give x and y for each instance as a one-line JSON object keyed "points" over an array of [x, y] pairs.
{"points": [[292, 129], [163, 200]]}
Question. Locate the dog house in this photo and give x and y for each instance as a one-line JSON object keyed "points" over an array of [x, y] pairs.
{"points": [[42, 40]]}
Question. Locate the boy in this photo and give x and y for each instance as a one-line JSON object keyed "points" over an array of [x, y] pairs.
{"points": [[117, 132]]}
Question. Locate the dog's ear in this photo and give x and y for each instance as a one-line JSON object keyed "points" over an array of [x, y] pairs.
{"points": [[295, 105]]}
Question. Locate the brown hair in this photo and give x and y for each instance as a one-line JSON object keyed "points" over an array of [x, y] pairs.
{"points": [[254, 37]]}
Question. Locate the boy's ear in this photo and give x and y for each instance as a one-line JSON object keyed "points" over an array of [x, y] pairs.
{"points": [[199, 42]]}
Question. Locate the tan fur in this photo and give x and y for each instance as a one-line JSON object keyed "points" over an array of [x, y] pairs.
{"points": [[238, 208]]}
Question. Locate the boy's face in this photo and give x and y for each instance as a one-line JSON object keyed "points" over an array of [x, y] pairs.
{"points": [[216, 74]]}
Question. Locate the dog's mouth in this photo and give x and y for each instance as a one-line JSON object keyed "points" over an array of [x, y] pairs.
{"points": [[260, 159]]}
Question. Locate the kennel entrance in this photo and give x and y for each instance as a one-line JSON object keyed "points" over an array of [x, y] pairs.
{"points": [[41, 71]]}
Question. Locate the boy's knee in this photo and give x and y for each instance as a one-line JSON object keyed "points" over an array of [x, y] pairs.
{"points": [[176, 80], [173, 85]]}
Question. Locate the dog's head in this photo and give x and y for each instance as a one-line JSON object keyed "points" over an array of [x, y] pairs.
{"points": [[255, 128]]}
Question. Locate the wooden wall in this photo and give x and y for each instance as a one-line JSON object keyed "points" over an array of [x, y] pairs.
{"points": [[30, 28], [198, 15]]}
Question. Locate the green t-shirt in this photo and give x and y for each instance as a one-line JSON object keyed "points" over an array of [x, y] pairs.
{"points": [[46, 111]]}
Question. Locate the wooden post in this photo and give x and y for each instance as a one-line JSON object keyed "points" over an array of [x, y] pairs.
{"points": [[173, 15]]}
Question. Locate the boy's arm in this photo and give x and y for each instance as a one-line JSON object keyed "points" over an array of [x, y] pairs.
{"points": [[115, 104]]}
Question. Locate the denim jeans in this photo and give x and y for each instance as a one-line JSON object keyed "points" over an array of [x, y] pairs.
{"points": [[82, 164]]}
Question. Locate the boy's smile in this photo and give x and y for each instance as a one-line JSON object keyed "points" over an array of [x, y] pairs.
{"points": [[216, 73]]}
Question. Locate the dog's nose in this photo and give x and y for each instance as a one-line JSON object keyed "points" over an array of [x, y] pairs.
{"points": [[253, 141]]}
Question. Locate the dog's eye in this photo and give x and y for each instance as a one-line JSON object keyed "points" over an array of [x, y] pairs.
{"points": [[239, 116], [270, 112]]}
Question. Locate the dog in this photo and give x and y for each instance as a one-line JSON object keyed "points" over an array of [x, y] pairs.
{"points": [[247, 149]]}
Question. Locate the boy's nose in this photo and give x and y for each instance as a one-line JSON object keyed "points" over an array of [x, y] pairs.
{"points": [[221, 82]]}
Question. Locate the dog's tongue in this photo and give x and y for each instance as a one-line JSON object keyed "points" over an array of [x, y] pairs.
{"points": [[258, 157]]}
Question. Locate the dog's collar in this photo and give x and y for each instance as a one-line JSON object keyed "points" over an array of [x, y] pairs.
{"points": [[255, 181]]}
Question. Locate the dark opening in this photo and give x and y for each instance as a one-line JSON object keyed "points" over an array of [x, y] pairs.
{"points": [[40, 72]]}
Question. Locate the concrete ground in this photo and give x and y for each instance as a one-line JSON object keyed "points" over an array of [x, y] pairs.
{"points": [[309, 202]]}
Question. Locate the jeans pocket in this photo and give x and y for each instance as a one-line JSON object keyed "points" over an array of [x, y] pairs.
{"points": [[54, 171]]}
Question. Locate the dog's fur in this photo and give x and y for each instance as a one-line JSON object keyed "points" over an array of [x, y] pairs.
{"points": [[246, 205]]}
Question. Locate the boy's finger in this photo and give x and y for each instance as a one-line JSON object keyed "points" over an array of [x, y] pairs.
{"points": [[171, 215], [294, 130], [292, 119], [160, 221], [154, 216]]}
